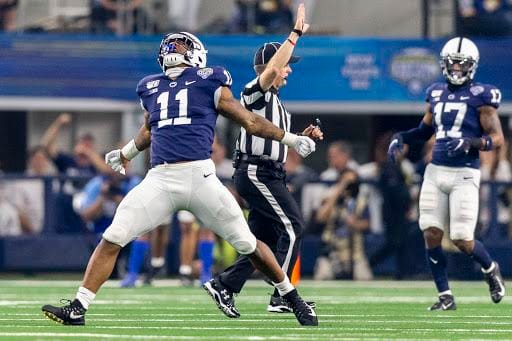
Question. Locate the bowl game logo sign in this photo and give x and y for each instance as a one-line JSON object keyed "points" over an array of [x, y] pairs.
{"points": [[360, 69], [415, 67]]}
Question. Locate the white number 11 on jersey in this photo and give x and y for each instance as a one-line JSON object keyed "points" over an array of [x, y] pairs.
{"points": [[163, 100]]}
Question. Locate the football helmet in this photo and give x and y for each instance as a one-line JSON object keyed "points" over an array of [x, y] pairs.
{"points": [[181, 48], [459, 60]]}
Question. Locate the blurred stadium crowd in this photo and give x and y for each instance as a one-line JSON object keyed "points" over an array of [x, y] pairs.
{"points": [[359, 215]]}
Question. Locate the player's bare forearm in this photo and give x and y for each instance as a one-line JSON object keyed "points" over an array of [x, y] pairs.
{"points": [[491, 125], [254, 124], [427, 118], [143, 139]]}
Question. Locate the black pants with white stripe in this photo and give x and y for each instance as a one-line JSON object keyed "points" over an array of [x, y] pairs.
{"points": [[274, 218]]}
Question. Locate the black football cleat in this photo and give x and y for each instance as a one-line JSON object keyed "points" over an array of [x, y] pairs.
{"points": [[496, 283], [223, 297], [278, 305], [303, 312], [73, 313], [446, 302]]}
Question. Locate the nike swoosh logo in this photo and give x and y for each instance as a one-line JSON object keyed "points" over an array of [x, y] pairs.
{"points": [[207, 175], [467, 177], [189, 82], [311, 312], [446, 306], [433, 260], [464, 97], [74, 317], [459, 145]]}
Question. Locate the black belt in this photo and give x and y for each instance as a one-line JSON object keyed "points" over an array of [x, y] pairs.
{"points": [[257, 160]]}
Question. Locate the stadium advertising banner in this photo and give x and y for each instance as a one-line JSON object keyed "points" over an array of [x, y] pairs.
{"points": [[332, 68]]}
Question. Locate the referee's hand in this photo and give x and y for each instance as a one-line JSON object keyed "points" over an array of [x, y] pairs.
{"points": [[314, 133], [304, 146]]}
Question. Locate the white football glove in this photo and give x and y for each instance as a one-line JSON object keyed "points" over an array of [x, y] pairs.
{"points": [[113, 159], [302, 144]]}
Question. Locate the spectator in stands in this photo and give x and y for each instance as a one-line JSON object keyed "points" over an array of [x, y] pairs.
{"points": [[396, 202], [183, 14], [8, 15], [9, 217], [491, 18], [118, 16], [223, 166], [243, 17], [297, 174], [339, 158], [98, 201], [85, 161], [494, 166], [273, 16], [262, 17], [27, 195], [345, 215]]}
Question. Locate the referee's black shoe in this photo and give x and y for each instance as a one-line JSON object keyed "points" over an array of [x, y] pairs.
{"points": [[223, 297], [278, 305], [303, 312], [73, 313]]}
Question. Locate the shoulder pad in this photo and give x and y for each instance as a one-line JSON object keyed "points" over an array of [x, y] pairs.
{"points": [[489, 94]]}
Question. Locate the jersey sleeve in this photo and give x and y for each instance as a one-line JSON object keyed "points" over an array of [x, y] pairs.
{"points": [[428, 92], [147, 86], [491, 96], [222, 76]]}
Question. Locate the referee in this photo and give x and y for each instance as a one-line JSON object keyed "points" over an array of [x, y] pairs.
{"points": [[274, 216]]}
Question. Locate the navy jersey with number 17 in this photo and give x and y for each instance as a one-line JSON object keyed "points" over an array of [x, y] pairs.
{"points": [[456, 115], [182, 112]]}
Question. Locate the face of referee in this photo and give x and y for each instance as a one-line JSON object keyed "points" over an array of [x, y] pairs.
{"points": [[282, 77]]}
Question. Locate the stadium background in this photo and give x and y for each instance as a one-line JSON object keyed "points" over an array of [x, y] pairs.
{"points": [[363, 73]]}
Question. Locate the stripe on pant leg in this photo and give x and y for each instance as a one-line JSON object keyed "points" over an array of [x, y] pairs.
{"points": [[251, 173]]}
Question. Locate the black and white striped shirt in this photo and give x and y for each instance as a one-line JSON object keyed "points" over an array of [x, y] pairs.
{"points": [[268, 105]]}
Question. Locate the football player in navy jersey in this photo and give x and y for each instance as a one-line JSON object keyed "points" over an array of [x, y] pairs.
{"points": [[463, 116], [182, 105]]}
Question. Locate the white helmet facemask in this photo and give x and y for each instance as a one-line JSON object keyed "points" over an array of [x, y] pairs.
{"points": [[459, 60], [181, 48]]}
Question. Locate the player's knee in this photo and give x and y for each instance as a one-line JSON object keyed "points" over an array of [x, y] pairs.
{"points": [[246, 246], [116, 235]]}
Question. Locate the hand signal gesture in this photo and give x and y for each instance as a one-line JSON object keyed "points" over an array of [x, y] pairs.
{"points": [[300, 22]]}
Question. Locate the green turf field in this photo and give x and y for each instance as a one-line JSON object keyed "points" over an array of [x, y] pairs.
{"points": [[346, 310]]}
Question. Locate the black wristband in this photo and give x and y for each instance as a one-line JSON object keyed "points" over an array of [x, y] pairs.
{"points": [[299, 32], [477, 143]]}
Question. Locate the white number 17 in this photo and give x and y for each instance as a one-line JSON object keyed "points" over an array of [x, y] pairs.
{"points": [[454, 131]]}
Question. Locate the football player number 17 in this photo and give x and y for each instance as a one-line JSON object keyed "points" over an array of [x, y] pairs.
{"points": [[163, 100], [454, 131]]}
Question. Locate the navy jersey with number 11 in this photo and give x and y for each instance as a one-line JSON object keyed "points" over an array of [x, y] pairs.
{"points": [[182, 112], [456, 115]]}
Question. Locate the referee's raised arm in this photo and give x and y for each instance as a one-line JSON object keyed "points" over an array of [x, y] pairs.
{"points": [[282, 57]]}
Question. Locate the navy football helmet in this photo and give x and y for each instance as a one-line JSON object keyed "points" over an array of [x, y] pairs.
{"points": [[459, 60], [181, 48]]}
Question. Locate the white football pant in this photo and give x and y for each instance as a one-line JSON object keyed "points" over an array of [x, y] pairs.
{"points": [[449, 197], [191, 186]]}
